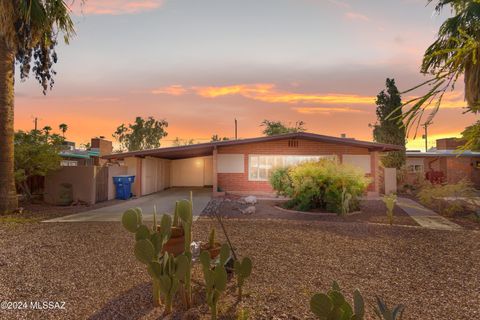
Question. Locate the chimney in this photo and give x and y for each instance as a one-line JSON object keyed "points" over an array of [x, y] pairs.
{"points": [[343, 135], [104, 146], [449, 143]]}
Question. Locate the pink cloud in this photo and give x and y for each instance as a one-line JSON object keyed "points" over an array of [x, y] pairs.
{"points": [[173, 90], [115, 7], [356, 16]]}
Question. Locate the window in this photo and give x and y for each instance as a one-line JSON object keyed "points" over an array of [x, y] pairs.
{"points": [[414, 165], [260, 167], [415, 168], [68, 163]]}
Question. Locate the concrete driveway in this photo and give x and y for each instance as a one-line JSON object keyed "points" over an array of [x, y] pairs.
{"points": [[164, 200]]}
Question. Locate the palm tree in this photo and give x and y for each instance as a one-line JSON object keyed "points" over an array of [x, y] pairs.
{"points": [[63, 127], [47, 130], [28, 31], [455, 53]]}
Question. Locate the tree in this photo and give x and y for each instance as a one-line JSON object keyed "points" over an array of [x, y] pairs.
{"points": [[28, 34], [63, 127], [47, 130], [453, 54], [387, 130], [36, 154], [272, 128], [179, 142], [471, 135], [216, 138], [142, 134]]}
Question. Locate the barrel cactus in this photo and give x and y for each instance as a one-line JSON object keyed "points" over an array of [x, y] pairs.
{"points": [[242, 270], [333, 306]]}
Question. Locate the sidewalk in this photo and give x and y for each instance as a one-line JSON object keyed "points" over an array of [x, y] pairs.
{"points": [[426, 217]]}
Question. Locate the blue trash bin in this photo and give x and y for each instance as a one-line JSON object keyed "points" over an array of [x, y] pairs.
{"points": [[123, 186]]}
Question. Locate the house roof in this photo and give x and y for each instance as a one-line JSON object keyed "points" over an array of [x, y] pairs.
{"points": [[442, 153], [204, 149]]}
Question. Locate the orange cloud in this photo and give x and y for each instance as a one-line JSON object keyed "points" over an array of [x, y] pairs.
{"points": [[268, 93], [174, 90], [326, 110], [115, 7]]}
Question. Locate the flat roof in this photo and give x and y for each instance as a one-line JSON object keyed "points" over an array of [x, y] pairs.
{"points": [[443, 153], [204, 149]]}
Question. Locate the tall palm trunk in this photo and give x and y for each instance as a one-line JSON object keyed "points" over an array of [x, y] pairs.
{"points": [[8, 194]]}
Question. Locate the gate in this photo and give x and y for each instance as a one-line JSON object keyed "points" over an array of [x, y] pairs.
{"points": [[101, 184]]}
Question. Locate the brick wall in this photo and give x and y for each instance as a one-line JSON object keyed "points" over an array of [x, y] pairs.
{"points": [[240, 182]]}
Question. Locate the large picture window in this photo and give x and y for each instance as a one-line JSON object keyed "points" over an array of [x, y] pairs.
{"points": [[260, 167]]}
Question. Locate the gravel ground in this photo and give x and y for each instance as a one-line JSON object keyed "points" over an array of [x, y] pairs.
{"points": [[91, 267], [371, 211]]}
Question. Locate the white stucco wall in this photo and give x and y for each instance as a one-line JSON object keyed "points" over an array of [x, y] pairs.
{"points": [[363, 162], [191, 172]]}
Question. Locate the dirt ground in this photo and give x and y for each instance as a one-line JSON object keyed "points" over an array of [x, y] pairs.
{"points": [[91, 267]]}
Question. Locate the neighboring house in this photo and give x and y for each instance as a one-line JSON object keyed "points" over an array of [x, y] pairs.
{"points": [[72, 157], [444, 163], [244, 166]]}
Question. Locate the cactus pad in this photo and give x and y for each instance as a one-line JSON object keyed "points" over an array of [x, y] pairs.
{"points": [[144, 251]]}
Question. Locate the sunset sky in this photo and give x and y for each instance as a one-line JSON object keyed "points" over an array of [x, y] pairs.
{"points": [[200, 64]]}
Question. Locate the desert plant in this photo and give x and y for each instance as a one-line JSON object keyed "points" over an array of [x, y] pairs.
{"points": [[184, 209], [384, 313], [281, 182], [390, 201], [346, 197], [176, 219], [216, 279], [243, 314], [168, 272], [445, 199], [324, 184], [333, 306], [211, 238], [242, 271], [149, 243]]}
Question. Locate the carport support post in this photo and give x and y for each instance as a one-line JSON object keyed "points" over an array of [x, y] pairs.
{"points": [[138, 177], [376, 171], [214, 171]]}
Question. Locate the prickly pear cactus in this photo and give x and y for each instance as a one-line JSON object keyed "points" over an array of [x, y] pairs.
{"points": [[132, 219], [184, 210], [215, 281], [333, 306], [242, 270]]}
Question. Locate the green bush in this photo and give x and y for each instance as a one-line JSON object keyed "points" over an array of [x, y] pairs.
{"points": [[281, 182], [444, 198], [323, 184]]}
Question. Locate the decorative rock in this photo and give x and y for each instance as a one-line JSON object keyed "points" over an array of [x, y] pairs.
{"points": [[250, 200], [249, 210]]}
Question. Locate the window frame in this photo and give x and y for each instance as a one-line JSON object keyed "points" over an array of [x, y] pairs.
{"points": [[333, 157]]}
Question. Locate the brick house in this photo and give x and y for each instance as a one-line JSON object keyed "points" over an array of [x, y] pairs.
{"points": [[244, 166], [444, 164]]}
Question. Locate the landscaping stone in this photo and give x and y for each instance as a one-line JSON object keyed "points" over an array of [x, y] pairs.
{"points": [[250, 200]]}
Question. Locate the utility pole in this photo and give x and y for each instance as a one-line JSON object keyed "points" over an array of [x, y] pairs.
{"points": [[425, 135], [36, 122], [236, 137]]}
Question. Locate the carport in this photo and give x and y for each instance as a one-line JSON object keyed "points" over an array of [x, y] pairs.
{"points": [[158, 169]]}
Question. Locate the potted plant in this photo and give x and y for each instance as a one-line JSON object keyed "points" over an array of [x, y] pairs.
{"points": [[176, 244], [212, 246]]}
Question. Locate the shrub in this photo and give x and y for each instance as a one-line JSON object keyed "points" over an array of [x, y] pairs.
{"points": [[324, 184], [281, 182], [444, 198]]}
